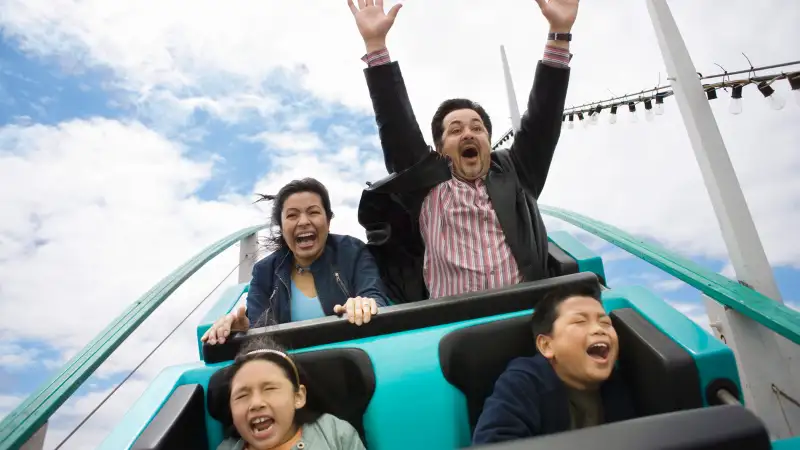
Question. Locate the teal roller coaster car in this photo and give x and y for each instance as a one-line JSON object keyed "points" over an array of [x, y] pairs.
{"points": [[417, 375]]}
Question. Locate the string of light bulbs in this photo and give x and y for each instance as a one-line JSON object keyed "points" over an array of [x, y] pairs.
{"points": [[653, 99]]}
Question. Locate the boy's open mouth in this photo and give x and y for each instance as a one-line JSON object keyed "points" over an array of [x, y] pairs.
{"points": [[598, 351], [306, 240], [262, 426]]}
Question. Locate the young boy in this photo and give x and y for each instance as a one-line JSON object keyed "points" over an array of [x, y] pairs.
{"points": [[571, 383]]}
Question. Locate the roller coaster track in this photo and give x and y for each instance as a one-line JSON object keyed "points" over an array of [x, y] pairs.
{"points": [[18, 426]]}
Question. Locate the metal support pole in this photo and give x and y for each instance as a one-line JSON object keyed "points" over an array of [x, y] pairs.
{"points": [[764, 359], [512, 96], [36, 442], [248, 250]]}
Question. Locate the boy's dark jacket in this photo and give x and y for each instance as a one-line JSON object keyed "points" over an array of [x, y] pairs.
{"points": [[530, 400], [345, 269], [389, 209]]}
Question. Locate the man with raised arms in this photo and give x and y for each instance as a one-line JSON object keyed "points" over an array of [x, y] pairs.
{"points": [[460, 218]]}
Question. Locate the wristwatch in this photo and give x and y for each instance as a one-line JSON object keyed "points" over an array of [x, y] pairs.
{"points": [[559, 37]]}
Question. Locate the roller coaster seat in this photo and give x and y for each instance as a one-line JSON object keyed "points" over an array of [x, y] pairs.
{"points": [[420, 385], [341, 382], [662, 375]]}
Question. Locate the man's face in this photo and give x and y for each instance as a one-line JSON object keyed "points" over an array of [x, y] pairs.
{"points": [[583, 345], [466, 142]]}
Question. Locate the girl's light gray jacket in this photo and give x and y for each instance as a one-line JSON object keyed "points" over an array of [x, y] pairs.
{"points": [[327, 433]]}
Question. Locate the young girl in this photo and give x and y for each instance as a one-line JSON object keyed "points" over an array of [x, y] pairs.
{"points": [[267, 404]]}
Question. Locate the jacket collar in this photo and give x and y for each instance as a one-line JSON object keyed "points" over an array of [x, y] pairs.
{"points": [[285, 259]]}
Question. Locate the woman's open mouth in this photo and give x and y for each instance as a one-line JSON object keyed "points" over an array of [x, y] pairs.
{"points": [[306, 240]]}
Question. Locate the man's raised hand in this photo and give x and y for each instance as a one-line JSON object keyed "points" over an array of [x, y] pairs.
{"points": [[560, 13], [372, 22]]}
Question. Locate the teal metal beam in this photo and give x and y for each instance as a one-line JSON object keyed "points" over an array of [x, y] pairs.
{"points": [[773, 315], [19, 425]]}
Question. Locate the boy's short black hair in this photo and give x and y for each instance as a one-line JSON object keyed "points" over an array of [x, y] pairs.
{"points": [[546, 311]]}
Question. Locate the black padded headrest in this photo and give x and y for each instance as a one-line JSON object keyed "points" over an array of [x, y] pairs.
{"points": [[339, 381], [714, 428], [473, 358]]}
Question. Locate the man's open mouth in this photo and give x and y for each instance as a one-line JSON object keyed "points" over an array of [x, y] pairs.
{"points": [[469, 151], [598, 351]]}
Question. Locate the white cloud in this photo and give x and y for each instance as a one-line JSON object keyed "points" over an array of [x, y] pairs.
{"points": [[694, 311], [298, 142], [668, 285]]}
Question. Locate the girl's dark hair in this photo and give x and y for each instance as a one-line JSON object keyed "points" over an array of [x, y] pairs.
{"points": [[275, 240], [249, 352]]}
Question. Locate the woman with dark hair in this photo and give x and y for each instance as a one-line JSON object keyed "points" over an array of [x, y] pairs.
{"points": [[310, 273], [270, 407]]}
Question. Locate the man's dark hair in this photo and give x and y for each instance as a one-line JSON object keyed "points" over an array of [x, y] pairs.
{"points": [[275, 240], [454, 104], [546, 311]]}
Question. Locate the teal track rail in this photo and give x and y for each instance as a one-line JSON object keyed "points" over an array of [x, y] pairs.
{"points": [[773, 315], [27, 418]]}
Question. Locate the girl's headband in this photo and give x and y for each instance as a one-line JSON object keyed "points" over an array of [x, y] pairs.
{"points": [[282, 355]]}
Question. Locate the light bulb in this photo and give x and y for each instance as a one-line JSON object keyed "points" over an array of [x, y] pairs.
{"points": [[659, 105], [571, 121], [648, 110], [632, 110], [774, 100], [596, 115], [612, 118], [794, 82], [736, 106], [736, 100]]}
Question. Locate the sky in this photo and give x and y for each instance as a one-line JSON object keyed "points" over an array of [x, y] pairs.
{"points": [[134, 134]]}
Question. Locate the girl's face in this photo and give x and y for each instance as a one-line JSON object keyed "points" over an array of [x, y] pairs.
{"points": [[263, 403]]}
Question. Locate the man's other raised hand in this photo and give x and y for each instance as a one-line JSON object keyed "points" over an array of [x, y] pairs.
{"points": [[373, 23]]}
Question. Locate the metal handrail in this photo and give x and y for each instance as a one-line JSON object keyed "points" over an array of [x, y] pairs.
{"points": [[772, 314], [19, 425]]}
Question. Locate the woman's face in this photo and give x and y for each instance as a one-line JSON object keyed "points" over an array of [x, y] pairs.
{"points": [[263, 403], [304, 226]]}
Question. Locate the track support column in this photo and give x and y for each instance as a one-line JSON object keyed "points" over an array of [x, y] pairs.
{"points": [[767, 362]]}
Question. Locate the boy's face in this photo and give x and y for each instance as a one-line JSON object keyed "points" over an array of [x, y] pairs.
{"points": [[583, 345]]}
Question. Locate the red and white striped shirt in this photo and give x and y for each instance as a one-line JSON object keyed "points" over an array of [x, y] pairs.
{"points": [[465, 247]]}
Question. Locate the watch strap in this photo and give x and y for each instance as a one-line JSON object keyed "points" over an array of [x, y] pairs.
{"points": [[559, 36]]}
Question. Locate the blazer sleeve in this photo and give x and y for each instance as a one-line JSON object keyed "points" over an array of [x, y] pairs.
{"points": [[367, 277], [540, 127], [259, 297], [511, 412], [401, 139]]}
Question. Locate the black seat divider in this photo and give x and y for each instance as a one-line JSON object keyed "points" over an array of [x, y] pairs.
{"points": [[473, 358], [715, 428], [662, 375], [179, 424], [340, 381], [398, 318], [559, 262]]}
